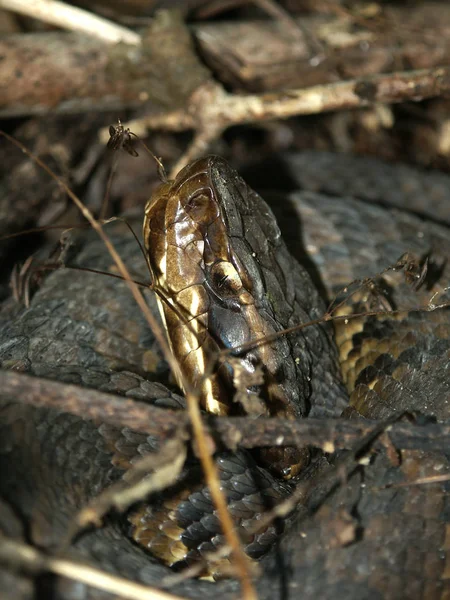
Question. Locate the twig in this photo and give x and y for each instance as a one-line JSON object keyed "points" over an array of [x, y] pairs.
{"points": [[241, 560], [30, 559], [212, 110], [419, 481], [166, 466], [72, 18], [96, 225], [329, 479], [294, 27], [91, 404], [232, 432], [199, 146]]}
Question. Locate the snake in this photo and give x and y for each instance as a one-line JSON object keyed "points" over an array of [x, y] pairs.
{"points": [[217, 255]]}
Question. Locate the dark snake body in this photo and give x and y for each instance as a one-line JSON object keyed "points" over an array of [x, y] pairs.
{"points": [[400, 549]]}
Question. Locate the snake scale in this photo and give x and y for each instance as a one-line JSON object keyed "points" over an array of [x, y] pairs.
{"points": [[79, 331]]}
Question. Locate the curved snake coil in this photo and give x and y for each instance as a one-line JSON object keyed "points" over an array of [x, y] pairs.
{"points": [[390, 364]]}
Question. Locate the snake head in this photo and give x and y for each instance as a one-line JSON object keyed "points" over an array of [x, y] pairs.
{"points": [[228, 284]]}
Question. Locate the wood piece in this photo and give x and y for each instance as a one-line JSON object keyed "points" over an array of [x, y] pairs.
{"points": [[400, 38]]}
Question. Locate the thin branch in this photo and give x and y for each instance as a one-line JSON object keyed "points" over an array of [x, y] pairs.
{"points": [[419, 481], [137, 484], [230, 432], [292, 26], [28, 558], [212, 110], [96, 225], [91, 404], [199, 146], [72, 18], [241, 560]]}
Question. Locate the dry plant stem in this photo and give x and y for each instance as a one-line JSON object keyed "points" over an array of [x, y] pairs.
{"points": [[166, 466], [66, 226], [277, 12], [212, 109], [31, 560], [72, 18], [430, 307], [241, 560], [105, 201], [91, 404], [112, 251], [199, 145], [420, 481], [211, 473], [295, 28]]}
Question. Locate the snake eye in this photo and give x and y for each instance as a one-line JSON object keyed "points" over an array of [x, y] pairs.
{"points": [[199, 207]]}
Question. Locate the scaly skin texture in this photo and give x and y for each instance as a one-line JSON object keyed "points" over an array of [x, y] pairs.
{"points": [[364, 540]]}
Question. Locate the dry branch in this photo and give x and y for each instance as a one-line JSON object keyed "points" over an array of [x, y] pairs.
{"points": [[29, 559], [233, 432], [212, 110], [148, 475], [73, 18]]}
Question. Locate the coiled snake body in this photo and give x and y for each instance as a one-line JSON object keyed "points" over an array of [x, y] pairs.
{"points": [[390, 364]]}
